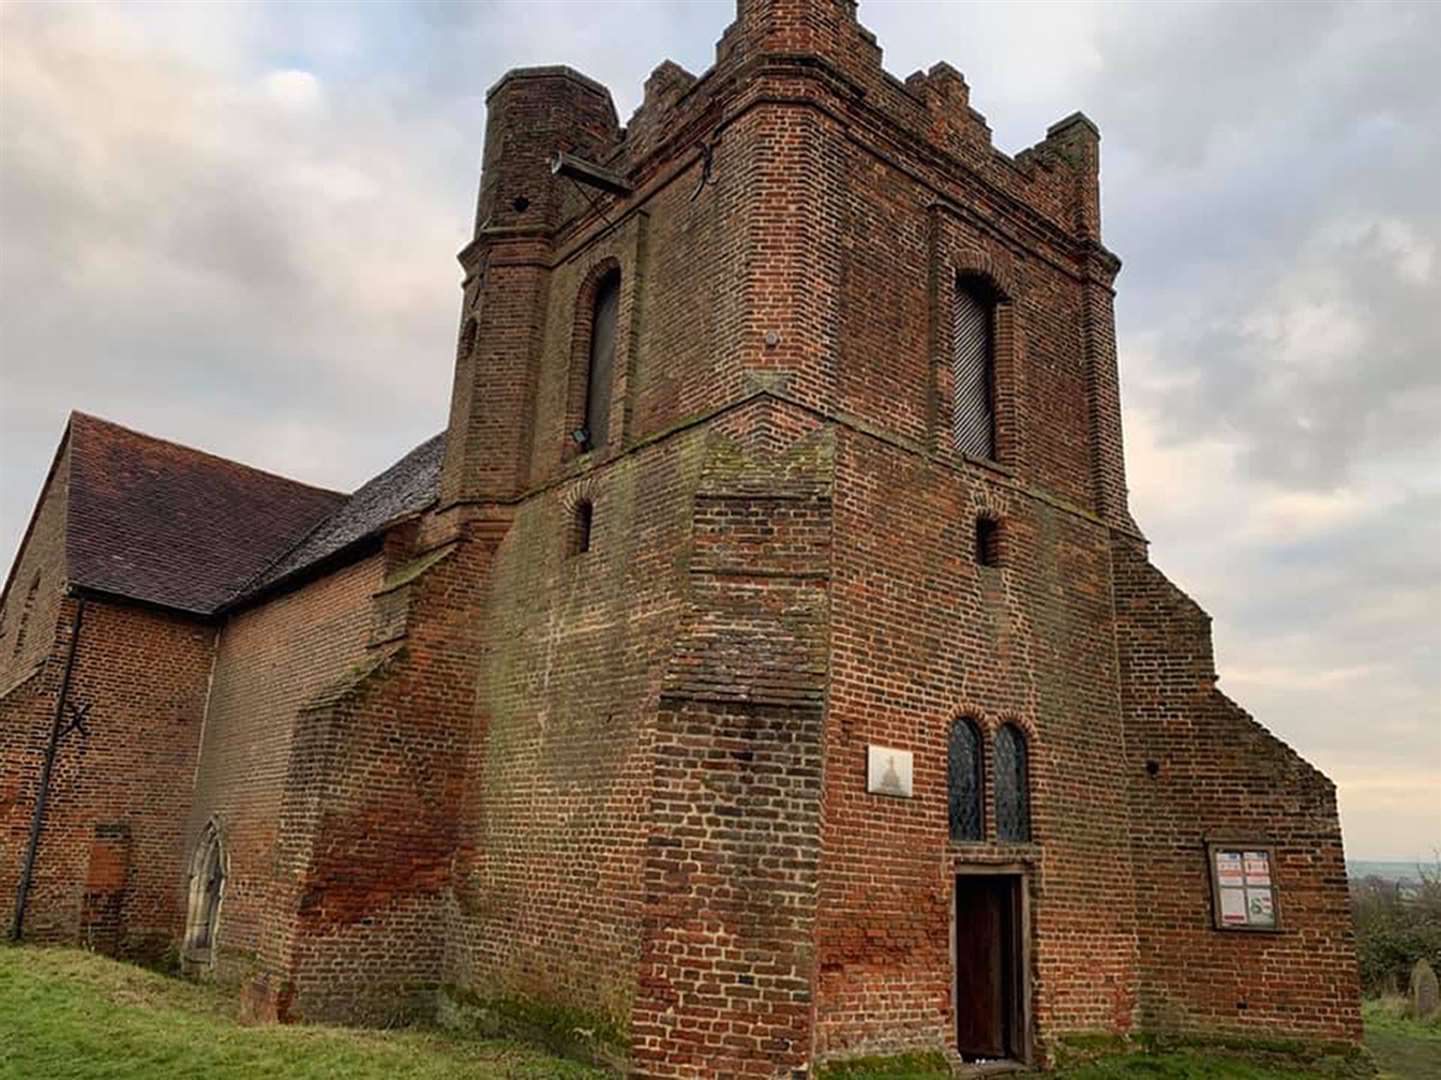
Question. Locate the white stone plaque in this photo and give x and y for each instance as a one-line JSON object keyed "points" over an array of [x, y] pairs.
{"points": [[888, 771]]}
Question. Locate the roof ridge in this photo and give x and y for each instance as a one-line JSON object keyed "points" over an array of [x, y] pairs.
{"points": [[204, 453]]}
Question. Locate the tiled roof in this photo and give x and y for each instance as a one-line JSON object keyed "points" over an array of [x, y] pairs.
{"points": [[406, 487], [169, 525]]}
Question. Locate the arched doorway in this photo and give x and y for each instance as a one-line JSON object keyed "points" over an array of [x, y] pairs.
{"points": [[207, 888]]}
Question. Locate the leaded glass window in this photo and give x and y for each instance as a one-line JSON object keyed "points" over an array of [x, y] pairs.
{"points": [[965, 782], [1013, 799]]}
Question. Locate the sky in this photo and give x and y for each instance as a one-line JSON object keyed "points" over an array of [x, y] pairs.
{"points": [[234, 225]]}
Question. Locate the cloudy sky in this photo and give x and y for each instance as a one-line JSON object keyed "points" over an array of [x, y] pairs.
{"points": [[234, 226]]}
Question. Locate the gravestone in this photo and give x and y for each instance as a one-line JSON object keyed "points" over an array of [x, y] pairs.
{"points": [[1425, 997]]}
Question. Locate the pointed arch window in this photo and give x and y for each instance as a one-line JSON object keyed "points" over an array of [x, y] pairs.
{"points": [[964, 781], [600, 366], [207, 884], [1013, 797], [973, 368]]}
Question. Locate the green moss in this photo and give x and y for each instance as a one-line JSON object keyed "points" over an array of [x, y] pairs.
{"points": [[578, 1033], [1075, 1047], [923, 1065], [405, 574]]}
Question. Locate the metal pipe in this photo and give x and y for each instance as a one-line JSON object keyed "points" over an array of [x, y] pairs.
{"points": [[37, 820]]}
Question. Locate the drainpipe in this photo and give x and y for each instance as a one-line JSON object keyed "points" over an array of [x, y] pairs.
{"points": [[37, 821]]}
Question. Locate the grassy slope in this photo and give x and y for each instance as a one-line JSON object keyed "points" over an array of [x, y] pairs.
{"points": [[68, 1015]]}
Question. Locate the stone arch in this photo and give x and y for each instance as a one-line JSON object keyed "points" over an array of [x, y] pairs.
{"points": [[209, 866]]}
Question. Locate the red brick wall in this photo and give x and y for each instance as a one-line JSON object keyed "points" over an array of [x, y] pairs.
{"points": [[554, 823], [270, 660], [31, 604], [1218, 775], [143, 675], [367, 823], [733, 856], [920, 636]]}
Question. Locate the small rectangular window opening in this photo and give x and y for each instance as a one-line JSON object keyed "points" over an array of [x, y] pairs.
{"points": [[580, 529], [988, 542]]}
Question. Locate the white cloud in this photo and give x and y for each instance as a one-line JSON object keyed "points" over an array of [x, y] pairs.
{"points": [[234, 225]]}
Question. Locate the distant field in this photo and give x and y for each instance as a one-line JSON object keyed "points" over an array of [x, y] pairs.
{"points": [[70, 1015], [1390, 870]]}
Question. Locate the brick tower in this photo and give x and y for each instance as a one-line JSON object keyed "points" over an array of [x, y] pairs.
{"points": [[764, 667], [859, 501]]}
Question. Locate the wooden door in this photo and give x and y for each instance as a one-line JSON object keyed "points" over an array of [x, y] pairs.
{"points": [[988, 969]]}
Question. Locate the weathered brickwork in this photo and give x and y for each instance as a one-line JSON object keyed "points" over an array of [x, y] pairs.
{"points": [[578, 725], [547, 894], [270, 661], [367, 824], [30, 608], [922, 635], [140, 676], [1202, 769]]}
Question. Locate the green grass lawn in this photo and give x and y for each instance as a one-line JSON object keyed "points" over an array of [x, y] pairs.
{"points": [[69, 1015], [1403, 1048]]}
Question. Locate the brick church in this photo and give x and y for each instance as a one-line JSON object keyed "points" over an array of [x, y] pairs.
{"points": [[762, 668]]}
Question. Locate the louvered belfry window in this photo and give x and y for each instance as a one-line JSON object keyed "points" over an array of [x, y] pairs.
{"points": [[973, 370], [965, 782], [602, 360], [1013, 799]]}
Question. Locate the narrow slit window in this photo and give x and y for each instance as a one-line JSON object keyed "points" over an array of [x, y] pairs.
{"points": [[25, 613], [988, 541], [580, 527], [973, 370], [601, 362], [1013, 797], [965, 781]]}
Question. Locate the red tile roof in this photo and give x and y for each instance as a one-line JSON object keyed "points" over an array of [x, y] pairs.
{"points": [[169, 525]]}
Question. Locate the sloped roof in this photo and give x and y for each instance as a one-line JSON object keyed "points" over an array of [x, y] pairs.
{"points": [[408, 486], [166, 524]]}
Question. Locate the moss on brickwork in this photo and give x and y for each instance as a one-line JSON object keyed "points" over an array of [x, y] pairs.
{"points": [[1323, 1057], [408, 572], [915, 1066], [1075, 1047], [578, 1033]]}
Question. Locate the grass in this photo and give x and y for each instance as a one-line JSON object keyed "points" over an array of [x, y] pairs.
{"points": [[69, 1015], [1404, 1049]]}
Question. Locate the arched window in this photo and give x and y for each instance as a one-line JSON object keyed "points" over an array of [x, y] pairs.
{"points": [[207, 884], [964, 784], [600, 367], [1013, 797], [973, 369]]}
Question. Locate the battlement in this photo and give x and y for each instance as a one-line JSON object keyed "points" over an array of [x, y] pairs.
{"points": [[776, 44], [727, 206]]}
